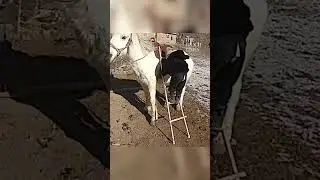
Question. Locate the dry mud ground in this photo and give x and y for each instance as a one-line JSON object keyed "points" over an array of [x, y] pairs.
{"points": [[51, 135], [277, 124]]}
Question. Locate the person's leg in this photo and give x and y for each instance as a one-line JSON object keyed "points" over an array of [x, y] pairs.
{"points": [[180, 86], [172, 87], [224, 50], [227, 75], [175, 88]]}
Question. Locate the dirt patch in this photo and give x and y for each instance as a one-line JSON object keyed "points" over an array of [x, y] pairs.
{"points": [[130, 126], [37, 138]]}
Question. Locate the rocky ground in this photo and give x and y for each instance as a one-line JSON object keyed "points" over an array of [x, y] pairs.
{"points": [[278, 119]]}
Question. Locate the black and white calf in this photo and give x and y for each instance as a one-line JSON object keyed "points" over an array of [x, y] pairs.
{"points": [[176, 66]]}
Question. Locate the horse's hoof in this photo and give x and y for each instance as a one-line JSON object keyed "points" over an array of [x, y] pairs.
{"points": [[153, 123]]}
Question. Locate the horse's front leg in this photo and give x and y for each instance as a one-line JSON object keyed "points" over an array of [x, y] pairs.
{"points": [[150, 94], [147, 96], [154, 111]]}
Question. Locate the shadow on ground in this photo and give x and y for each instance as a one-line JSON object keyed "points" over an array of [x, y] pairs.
{"points": [[128, 88], [19, 72]]}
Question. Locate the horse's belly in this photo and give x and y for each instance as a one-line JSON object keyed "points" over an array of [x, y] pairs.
{"points": [[145, 78]]}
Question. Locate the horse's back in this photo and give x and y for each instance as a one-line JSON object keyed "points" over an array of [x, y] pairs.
{"points": [[150, 66]]}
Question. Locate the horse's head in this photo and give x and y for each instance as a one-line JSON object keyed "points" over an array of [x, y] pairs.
{"points": [[119, 44]]}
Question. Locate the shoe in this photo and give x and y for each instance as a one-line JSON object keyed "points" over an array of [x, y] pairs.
{"points": [[177, 99], [218, 146], [171, 98]]}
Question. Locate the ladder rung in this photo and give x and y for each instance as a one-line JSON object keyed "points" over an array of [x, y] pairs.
{"points": [[170, 103], [177, 119]]}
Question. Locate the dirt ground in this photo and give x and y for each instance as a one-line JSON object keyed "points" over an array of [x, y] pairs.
{"points": [[277, 120], [51, 134], [130, 126], [38, 144]]}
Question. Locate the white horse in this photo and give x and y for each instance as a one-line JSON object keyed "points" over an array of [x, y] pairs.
{"points": [[146, 67]]}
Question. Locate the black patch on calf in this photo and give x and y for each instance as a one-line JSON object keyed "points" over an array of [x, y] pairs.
{"points": [[176, 66], [175, 63]]}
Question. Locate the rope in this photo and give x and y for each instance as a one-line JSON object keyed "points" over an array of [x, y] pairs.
{"points": [[160, 58]]}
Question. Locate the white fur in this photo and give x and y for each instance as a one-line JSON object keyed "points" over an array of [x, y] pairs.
{"points": [[145, 68]]}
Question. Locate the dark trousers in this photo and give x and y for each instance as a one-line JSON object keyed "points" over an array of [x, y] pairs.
{"points": [[226, 70], [177, 82], [5, 60]]}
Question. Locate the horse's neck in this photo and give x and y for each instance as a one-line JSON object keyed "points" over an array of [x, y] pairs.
{"points": [[135, 50], [137, 57]]}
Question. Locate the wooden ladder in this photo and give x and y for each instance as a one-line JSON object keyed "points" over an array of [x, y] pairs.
{"points": [[236, 174], [183, 117]]}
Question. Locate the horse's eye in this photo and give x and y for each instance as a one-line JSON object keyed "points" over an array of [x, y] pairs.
{"points": [[123, 37]]}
